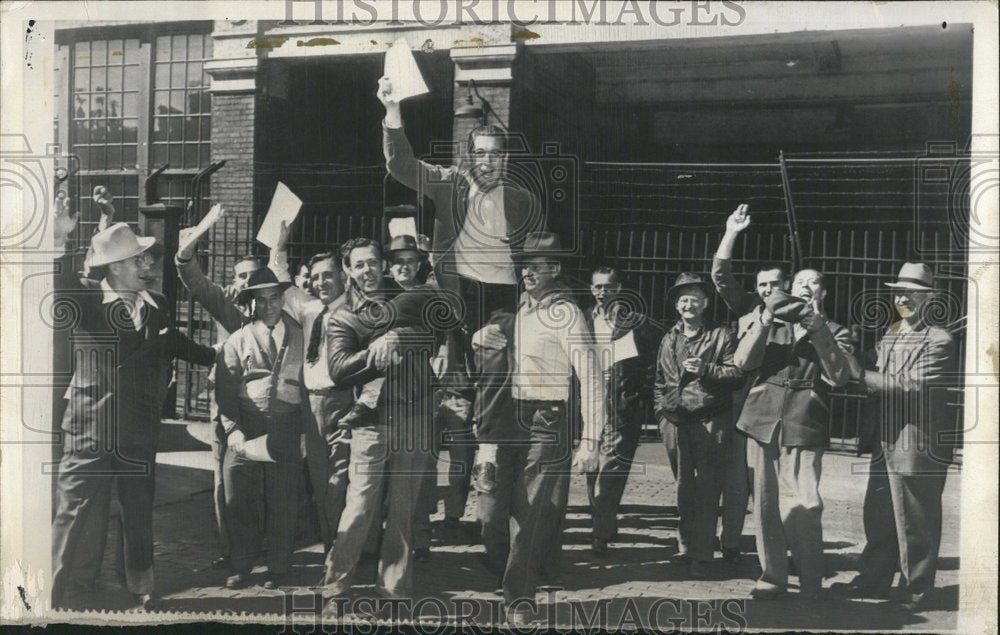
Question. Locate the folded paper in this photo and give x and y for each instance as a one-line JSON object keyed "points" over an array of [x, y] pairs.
{"points": [[285, 206], [406, 226], [402, 71]]}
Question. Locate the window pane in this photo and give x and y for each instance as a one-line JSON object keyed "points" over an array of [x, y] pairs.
{"points": [[131, 51], [162, 76], [176, 129], [97, 160], [114, 157], [175, 155], [98, 131], [131, 105], [160, 129], [83, 154], [128, 158], [177, 102], [98, 52], [81, 80], [194, 75], [132, 77], [116, 52], [98, 79], [204, 152], [190, 155], [131, 187], [96, 106], [159, 155], [81, 132], [177, 75], [191, 129], [163, 48], [195, 47], [130, 128], [114, 131], [194, 102], [80, 107], [82, 56], [161, 102], [206, 128], [179, 47], [114, 78]]}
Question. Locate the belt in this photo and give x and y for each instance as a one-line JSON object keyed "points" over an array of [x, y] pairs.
{"points": [[791, 383], [331, 390]]}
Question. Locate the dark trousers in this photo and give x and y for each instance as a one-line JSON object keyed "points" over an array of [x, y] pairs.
{"points": [[488, 303], [243, 478], [80, 526], [606, 486], [522, 519], [328, 454], [902, 519], [218, 489]]}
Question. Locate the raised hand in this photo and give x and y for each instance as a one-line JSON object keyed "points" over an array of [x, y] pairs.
{"points": [[188, 237], [393, 115], [63, 221], [282, 242], [739, 219], [102, 198]]}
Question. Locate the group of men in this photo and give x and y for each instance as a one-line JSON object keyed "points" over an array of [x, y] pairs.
{"points": [[480, 340]]}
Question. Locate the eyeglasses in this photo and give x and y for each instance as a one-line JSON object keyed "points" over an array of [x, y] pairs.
{"points": [[482, 154]]}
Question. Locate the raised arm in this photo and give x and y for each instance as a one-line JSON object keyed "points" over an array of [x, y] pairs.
{"points": [[296, 300], [399, 160], [735, 296], [210, 295], [749, 353]]}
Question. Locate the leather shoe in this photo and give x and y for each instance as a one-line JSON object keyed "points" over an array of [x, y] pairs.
{"points": [[484, 477], [859, 591], [765, 591], [222, 562], [237, 581], [599, 546]]}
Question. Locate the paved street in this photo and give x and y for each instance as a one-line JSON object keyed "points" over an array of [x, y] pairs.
{"points": [[633, 585]]}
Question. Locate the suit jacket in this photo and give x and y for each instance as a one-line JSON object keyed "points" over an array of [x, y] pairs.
{"points": [[907, 393], [787, 386], [448, 188], [120, 375]]}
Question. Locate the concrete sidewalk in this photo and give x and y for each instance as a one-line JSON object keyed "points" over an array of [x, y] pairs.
{"points": [[635, 584]]}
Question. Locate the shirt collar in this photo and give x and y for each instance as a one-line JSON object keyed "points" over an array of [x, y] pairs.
{"points": [[110, 295], [679, 328]]}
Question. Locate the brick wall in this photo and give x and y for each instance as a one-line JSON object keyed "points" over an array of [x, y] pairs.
{"points": [[233, 126], [499, 98]]}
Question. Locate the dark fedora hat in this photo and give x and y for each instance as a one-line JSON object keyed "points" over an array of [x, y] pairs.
{"points": [[685, 280], [786, 307], [263, 278], [404, 242], [540, 244]]}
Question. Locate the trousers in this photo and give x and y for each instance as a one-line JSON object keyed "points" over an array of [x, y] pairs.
{"points": [[902, 519], [735, 490], [789, 511], [244, 511], [606, 486], [328, 455], [80, 525], [522, 519], [390, 462]]}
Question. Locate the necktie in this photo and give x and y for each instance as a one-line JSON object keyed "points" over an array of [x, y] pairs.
{"points": [[272, 350], [312, 354]]}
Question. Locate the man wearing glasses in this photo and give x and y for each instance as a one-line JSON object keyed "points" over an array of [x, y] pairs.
{"points": [[481, 220]]}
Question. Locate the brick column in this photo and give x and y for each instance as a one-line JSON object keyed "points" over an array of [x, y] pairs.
{"points": [[234, 109], [492, 69]]}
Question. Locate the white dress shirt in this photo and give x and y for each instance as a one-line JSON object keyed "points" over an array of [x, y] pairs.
{"points": [[551, 340], [304, 308], [277, 333], [135, 308]]}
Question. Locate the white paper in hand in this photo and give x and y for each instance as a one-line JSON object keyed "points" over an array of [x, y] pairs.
{"points": [[625, 348], [406, 226], [285, 206], [402, 71], [256, 450]]}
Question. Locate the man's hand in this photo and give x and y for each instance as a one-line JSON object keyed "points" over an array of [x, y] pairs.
{"points": [[188, 238], [694, 365], [102, 198], [766, 316], [393, 114], [491, 337], [63, 222], [231, 293], [237, 442], [739, 219], [382, 350], [586, 458], [282, 243], [813, 319]]}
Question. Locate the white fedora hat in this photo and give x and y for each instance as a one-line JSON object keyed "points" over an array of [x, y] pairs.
{"points": [[117, 243], [914, 275]]}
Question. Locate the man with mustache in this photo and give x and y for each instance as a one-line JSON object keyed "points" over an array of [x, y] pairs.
{"points": [[795, 356], [914, 360]]}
